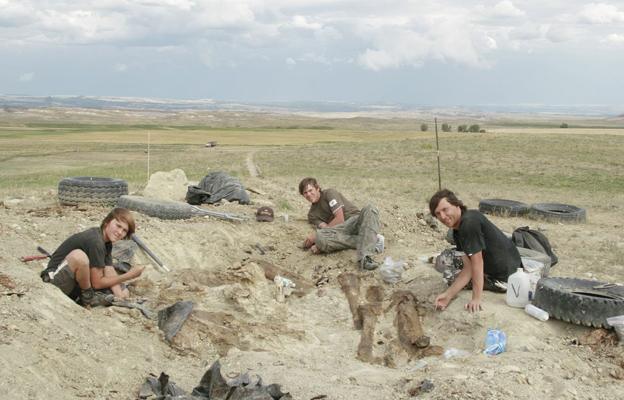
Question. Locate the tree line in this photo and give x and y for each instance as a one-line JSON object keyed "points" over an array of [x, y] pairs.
{"points": [[460, 128]]}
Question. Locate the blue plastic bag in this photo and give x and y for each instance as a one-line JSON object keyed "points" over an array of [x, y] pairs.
{"points": [[495, 342]]}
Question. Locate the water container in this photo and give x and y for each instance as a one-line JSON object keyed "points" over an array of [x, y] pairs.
{"points": [[536, 312], [518, 287], [495, 342]]}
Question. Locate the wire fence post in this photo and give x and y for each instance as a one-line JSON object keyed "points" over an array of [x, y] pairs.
{"points": [[148, 156], [435, 121]]}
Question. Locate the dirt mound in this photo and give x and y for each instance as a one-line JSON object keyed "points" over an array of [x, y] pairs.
{"points": [[170, 185]]}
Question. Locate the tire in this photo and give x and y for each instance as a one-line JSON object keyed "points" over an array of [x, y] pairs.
{"points": [[504, 208], [579, 301], [557, 212], [163, 209], [91, 190]]}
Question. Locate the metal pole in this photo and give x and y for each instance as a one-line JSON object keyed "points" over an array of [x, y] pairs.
{"points": [[435, 120], [148, 156]]}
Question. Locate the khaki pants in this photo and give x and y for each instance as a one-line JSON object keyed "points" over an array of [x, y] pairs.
{"points": [[358, 232]]}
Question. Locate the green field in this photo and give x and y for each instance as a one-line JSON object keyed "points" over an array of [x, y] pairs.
{"points": [[575, 162]]}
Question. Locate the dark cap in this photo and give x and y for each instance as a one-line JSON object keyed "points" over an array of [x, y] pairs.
{"points": [[264, 214]]}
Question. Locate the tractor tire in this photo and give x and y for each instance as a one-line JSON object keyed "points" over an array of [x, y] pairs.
{"points": [[163, 209], [557, 212], [580, 301], [503, 208], [91, 190]]}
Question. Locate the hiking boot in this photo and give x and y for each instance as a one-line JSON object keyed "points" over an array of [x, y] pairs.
{"points": [[367, 263], [494, 285], [91, 298]]}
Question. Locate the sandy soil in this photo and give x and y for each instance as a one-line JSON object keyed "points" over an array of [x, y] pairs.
{"points": [[54, 349]]}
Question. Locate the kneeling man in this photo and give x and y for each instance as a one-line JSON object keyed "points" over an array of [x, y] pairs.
{"points": [[83, 262], [489, 255]]}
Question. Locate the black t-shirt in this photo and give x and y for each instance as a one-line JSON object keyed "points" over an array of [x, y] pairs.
{"points": [[331, 201], [91, 242], [476, 233]]}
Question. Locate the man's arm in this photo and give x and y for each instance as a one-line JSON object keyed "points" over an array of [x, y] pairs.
{"points": [[338, 219], [475, 263], [99, 280], [462, 279]]}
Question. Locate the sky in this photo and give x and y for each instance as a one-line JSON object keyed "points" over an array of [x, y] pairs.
{"points": [[419, 52]]}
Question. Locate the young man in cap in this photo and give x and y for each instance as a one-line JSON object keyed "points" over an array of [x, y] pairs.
{"points": [[490, 257], [340, 225], [83, 261]]}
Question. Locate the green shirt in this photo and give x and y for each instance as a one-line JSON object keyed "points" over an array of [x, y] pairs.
{"points": [[331, 201]]}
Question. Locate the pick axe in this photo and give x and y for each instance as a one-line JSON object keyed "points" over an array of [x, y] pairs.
{"points": [[44, 252], [149, 252]]}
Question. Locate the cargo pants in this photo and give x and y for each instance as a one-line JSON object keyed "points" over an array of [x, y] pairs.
{"points": [[358, 232]]}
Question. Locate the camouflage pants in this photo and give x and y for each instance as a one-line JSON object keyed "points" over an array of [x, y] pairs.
{"points": [[358, 232]]}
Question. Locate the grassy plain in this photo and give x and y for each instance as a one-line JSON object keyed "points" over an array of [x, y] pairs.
{"points": [[378, 154]]}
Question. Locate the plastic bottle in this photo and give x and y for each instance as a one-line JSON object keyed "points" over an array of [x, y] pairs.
{"points": [[518, 287], [391, 270], [495, 342], [453, 352], [536, 312]]}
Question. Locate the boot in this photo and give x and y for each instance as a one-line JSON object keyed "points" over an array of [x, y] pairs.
{"points": [[91, 298]]}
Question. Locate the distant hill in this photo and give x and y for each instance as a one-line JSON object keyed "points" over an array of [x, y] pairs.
{"points": [[144, 103]]}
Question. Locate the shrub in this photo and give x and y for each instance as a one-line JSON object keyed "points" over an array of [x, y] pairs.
{"points": [[474, 128], [563, 125], [462, 128], [424, 127], [446, 128]]}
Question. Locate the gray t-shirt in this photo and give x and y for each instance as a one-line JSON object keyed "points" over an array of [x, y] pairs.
{"points": [[91, 242], [331, 201], [476, 233]]}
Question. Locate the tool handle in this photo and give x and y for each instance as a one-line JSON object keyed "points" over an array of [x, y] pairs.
{"points": [[149, 252], [32, 258]]}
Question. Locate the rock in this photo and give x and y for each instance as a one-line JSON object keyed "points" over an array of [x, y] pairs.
{"points": [[12, 202], [171, 185]]}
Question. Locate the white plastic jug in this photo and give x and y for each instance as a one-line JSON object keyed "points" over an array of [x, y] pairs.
{"points": [[518, 287]]}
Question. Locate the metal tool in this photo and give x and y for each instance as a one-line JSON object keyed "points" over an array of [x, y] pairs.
{"points": [[149, 252]]}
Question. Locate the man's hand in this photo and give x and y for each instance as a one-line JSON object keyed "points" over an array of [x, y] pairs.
{"points": [[315, 250], [309, 241], [473, 306], [136, 271], [322, 225], [442, 301]]}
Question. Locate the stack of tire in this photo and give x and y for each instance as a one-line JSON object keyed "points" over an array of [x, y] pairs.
{"points": [[551, 212], [90, 190]]}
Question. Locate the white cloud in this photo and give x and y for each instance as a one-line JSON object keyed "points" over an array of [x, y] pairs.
{"points": [[601, 13], [507, 9], [315, 58], [504, 9], [27, 77], [614, 38], [120, 67], [449, 39], [291, 61], [527, 32], [379, 35], [560, 33], [300, 21]]}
